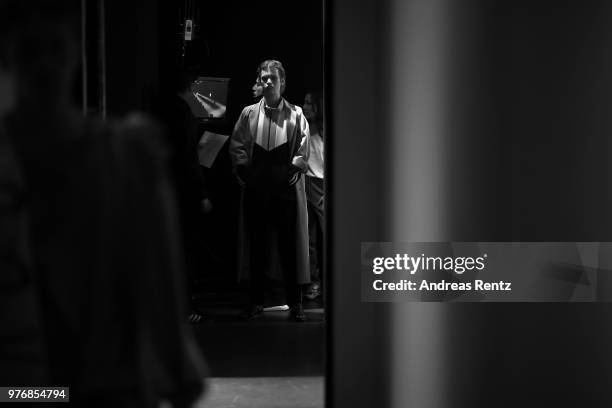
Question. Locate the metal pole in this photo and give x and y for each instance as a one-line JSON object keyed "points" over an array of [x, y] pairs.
{"points": [[102, 58], [84, 54]]}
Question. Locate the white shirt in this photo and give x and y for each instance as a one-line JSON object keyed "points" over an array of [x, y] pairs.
{"points": [[315, 160], [272, 126]]}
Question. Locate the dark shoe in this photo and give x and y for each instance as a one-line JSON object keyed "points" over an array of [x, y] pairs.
{"points": [[252, 312], [297, 314], [313, 291]]}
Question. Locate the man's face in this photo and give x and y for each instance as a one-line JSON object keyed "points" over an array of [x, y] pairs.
{"points": [[309, 108], [271, 83]]}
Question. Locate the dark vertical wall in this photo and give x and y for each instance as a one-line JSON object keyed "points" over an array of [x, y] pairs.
{"points": [[522, 120], [357, 205], [560, 94], [547, 82]]}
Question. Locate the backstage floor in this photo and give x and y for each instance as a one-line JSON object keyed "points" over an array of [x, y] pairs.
{"points": [[267, 362], [264, 392]]}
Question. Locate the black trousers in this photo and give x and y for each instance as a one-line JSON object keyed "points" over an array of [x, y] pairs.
{"points": [[316, 221], [271, 220]]}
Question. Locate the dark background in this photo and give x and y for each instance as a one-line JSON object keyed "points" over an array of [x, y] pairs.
{"points": [[231, 38]]}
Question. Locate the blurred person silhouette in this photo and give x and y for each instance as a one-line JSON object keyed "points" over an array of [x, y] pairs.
{"points": [[183, 133], [313, 111], [22, 352], [269, 148], [103, 230]]}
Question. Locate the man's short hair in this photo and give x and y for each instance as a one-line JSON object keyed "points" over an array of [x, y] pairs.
{"points": [[270, 65]]}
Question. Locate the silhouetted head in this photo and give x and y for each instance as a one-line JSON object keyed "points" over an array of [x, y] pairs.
{"points": [[257, 89], [313, 109]]}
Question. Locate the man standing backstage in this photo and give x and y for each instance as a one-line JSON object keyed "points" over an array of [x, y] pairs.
{"points": [[269, 150]]}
